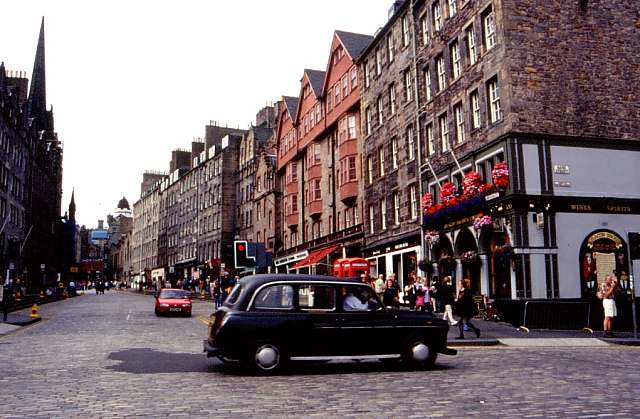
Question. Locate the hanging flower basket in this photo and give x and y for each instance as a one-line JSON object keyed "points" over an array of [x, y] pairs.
{"points": [[425, 265], [482, 221], [471, 184], [432, 236], [469, 256], [427, 202], [448, 194], [500, 175]]}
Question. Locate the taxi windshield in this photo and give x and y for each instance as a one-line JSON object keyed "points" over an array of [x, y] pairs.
{"points": [[173, 294]]}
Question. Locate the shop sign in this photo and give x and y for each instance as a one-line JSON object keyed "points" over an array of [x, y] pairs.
{"points": [[460, 222], [561, 169], [73, 269], [604, 208], [491, 196], [291, 258], [401, 246], [604, 235]]}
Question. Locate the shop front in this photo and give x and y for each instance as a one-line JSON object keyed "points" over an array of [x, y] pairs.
{"points": [[283, 264], [158, 278], [400, 257]]}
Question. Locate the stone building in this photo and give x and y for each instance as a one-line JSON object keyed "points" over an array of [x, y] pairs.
{"points": [[545, 88], [146, 213], [267, 198], [390, 150], [318, 162], [120, 224], [31, 176]]}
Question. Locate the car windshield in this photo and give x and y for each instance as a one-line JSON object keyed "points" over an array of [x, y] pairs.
{"points": [[174, 294]]}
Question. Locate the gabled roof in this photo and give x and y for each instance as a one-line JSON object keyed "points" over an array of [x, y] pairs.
{"points": [[316, 79], [292, 104], [354, 43]]}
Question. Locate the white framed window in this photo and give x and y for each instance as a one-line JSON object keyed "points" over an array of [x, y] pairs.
{"points": [[371, 220], [475, 109], [408, 86], [411, 144], [380, 114], [394, 152], [378, 62], [413, 199], [367, 75], [453, 9], [442, 76], [351, 127], [427, 84], [392, 98], [367, 113], [489, 26], [405, 31], [444, 132], [457, 109], [369, 170], [424, 26], [494, 100], [455, 60], [354, 78], [390, 46], [383, 214], [381, 161], [437, 16], [396, 208], [431, 149], [472, 53]]}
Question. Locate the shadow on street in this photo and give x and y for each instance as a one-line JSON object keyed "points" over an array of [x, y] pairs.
{"points": [[151, 361]]}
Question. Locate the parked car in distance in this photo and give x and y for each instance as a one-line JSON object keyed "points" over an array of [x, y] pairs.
{"points": [[173, 301], [268, 320]]}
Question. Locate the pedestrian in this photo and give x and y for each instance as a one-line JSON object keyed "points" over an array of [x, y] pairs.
{"points": [[379, 286], [446, 295], [465, 309], [421, 294], [435, 294], [410, 292], [607, 292], [391, 297]]}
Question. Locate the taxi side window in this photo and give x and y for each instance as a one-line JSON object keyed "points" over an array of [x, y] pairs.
{"points": [[275, 297], [317, 297]]}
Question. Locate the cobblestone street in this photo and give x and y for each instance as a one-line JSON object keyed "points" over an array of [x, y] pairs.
{"points": [[110, 356]]}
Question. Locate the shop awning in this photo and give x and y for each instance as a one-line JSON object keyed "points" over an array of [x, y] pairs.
{"points": [[314, 257]]}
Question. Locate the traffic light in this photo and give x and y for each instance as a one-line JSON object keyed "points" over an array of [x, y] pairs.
{"points": [[241, 257], [634, 245]]}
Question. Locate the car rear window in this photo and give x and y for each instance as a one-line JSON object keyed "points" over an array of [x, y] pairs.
{"points": [[275, 297], [233, 295], [316, 297]]}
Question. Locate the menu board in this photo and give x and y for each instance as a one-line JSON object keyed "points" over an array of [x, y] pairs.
{"points": [[605, 265]]}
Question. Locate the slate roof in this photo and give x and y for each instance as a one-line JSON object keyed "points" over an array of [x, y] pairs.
{"points": [[316, 78], [261, 134], [354, 43], [292, 104]]}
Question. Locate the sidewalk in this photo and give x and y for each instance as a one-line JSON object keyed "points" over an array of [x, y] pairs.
{"points": [[16, 320], [499, 333]]}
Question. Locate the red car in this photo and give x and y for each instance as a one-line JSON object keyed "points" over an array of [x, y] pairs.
{"points": [[169, 301]]}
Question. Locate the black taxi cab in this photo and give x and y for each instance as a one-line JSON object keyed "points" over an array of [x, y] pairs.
{"points": [[268, 320]]}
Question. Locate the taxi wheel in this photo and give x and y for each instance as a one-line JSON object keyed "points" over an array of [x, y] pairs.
{"points": [[268, 358], [420, 354], [157, 313]]}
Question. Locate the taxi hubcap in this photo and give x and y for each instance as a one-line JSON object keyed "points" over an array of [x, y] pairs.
{"points": [[420, 352], [267, 357]]}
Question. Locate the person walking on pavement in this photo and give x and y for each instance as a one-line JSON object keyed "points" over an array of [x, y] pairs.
{"points": [[391, 296], [465, 308], [446, 295]]}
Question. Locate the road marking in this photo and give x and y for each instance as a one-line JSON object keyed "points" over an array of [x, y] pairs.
{"points": [[128, 314], [204, 320]]}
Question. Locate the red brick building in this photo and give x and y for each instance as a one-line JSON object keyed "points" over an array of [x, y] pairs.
{"points": [[318, 162]]}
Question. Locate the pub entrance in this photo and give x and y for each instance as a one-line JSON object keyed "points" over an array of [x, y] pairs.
{"points": [[603, 253]]}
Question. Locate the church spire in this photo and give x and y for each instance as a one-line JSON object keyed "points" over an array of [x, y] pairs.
{"points": [[37, 103], [72, 206]]}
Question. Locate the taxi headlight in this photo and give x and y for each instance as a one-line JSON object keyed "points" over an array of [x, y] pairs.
{"points": [[164, 305], [186, 305]]}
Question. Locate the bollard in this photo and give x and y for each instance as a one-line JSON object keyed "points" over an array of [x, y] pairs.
{"points": [[34, 311], [202, 294]]}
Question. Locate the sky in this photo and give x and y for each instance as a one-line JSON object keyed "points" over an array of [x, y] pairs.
{"points": [[129, 81]]}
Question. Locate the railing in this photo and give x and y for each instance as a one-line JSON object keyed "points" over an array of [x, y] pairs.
{"points": [[560, 315]]}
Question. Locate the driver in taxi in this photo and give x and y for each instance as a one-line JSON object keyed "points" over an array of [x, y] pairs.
{"points": [[355, 299]]}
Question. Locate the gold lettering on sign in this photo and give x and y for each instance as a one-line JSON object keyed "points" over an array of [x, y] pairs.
{"points": [[617, 208], [579, 207], [604, 235]]}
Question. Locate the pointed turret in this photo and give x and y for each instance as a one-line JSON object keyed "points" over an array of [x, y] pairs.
{"points": [[72, 206], [3, 78], [37, 103]]}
